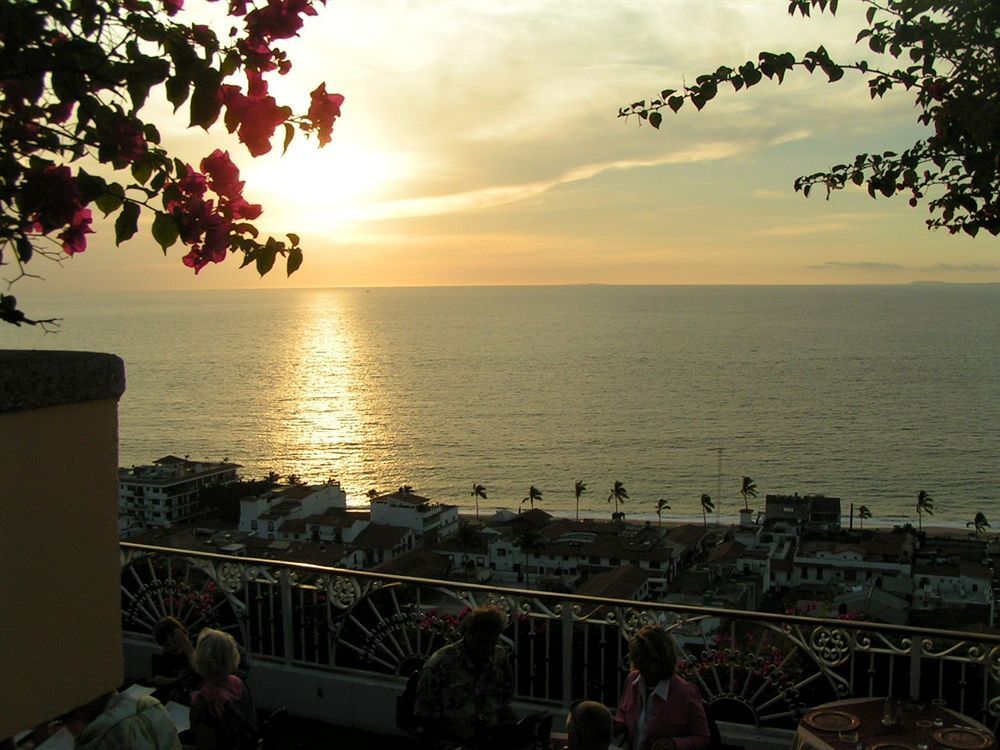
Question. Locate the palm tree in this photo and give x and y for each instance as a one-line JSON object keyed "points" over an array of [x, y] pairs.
{"points": [[405, 489], [371, 494], [619, 494], [273, 477], [533, 494], [478, 491], [748, 490], [707, 506], [579, 489], [863, 513], [529, 540], [980, 523], [467, 536], [925, 504], [661, 505]]}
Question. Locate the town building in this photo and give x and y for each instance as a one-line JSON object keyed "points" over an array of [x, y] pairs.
{"points": [[405, 508], [165, 493]]}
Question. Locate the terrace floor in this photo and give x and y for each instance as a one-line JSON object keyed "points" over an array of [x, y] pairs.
{"points": [[310, 734]]}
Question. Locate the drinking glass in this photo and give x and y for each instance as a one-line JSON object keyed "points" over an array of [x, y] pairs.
{"points": [[889, 713], [938, 712], [924, 734]]}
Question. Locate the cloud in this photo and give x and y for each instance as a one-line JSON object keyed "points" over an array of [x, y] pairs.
{"points": [[500, 195], [857, 266], [879, 266], [795, 135], [797, 230]]}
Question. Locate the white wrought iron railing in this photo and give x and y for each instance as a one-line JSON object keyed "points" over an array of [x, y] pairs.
{"points": [[754, 668]]}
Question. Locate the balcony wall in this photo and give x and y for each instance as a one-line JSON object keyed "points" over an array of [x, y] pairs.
{"points": [[333, 644], [60, 641]]}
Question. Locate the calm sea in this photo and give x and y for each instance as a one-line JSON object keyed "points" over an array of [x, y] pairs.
{"points": [[866, 393]]}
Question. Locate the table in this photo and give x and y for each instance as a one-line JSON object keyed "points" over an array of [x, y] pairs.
{"points": [[61, 739], [906, 735]]}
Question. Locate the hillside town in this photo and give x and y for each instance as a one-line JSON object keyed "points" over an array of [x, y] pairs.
{"points": [[793, 557]]}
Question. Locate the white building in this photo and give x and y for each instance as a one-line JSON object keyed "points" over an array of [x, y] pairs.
{"points": [[265, 513], [165, 493], [961, 585], [403, 508]]}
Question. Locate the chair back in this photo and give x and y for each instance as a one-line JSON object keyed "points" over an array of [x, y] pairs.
{"points": [[271, 729]]}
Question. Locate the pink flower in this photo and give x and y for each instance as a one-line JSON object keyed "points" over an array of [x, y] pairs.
{"points": [[223, 175], [324, 108], [173, 6], [255, 117], [74, 237], [193, 183], [50, 197], [60, 112], [128, 142], [239, 209], [203, 35], [280, 19]]}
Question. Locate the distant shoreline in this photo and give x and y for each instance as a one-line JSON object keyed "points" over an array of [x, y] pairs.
{"points": [[939, 528]]}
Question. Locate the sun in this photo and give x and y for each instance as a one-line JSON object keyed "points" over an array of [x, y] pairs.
{"points": [[323, 190]]}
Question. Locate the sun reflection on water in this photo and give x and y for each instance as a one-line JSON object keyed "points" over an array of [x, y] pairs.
{"points": [[323, 424]]}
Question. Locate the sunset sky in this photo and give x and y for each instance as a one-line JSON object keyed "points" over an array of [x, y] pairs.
{"points": [[480, 144]]}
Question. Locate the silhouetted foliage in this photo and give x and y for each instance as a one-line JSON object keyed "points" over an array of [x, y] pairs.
{"points": [[76, 77], [942, 52]]}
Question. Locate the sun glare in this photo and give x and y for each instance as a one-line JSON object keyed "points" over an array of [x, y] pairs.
{"points": [[321, 190]]}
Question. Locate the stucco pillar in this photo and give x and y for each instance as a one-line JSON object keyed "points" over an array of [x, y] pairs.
{"points": [[60, 608]]}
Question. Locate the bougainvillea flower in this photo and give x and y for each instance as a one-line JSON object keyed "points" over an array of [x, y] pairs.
{"points": [[193, 183], [324, 108], [262, 117], [74, 237], [60, 112], [223, 175], [50, 197], [239, 208], [173, 6], [281, 19], [129, 142]]}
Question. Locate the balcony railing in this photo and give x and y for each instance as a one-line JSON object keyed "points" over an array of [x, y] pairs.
{"points": [[757, 669]]}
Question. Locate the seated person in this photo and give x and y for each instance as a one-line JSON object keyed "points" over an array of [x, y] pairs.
{"points": [[588, 726], [222, 711], [466, 687], [174, 675], [658, 709], [119, 721]]}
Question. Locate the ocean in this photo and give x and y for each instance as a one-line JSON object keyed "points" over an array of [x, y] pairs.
{"points": [[867, 393]]}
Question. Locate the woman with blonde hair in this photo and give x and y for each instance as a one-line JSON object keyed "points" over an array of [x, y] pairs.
{"points": [[222, 711], [658, 709]]}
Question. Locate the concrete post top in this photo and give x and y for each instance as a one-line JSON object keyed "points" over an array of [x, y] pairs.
{"points": [[35, 379]]}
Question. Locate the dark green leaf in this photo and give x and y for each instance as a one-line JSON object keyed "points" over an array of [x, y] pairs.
{"points": [[165, 230], [265, 256], [112, 199], [205, 101], [24, 249], [675, 102], [91, 186], [178, 90], [127, 223], [294, 238], [655, 118], [142, 170], [294, 260]]}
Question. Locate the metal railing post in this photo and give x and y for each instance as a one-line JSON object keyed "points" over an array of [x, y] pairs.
{"points": [[287, 636], [916, 657], [567, 652]]}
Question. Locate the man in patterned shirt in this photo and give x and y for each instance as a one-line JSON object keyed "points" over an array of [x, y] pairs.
{"points": [[466, 687]]}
